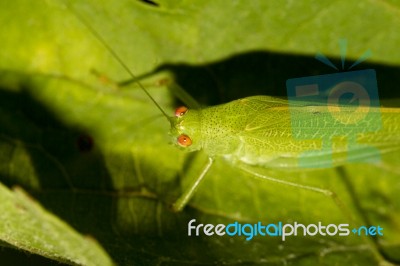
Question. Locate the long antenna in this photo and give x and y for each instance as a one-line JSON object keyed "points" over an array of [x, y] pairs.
{"points": [[115, 55]]}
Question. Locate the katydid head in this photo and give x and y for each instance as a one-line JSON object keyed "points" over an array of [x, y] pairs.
{"points": [[185, 129]]}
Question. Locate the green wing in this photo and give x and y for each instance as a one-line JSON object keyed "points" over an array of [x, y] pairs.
{"points": [[281, 133]]}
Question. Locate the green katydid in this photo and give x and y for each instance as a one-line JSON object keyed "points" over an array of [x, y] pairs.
{"points": [[256, 132]]}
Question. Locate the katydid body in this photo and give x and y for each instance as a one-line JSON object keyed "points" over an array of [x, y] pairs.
{"points": [[258, 131]]}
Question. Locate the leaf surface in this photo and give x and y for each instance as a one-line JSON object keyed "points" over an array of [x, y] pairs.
{"points": [[99, 157]]}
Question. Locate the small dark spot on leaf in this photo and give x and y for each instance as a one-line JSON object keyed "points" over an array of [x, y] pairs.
{"points": [[20, 207], [149, 2], [85, 143], [164, 81]]}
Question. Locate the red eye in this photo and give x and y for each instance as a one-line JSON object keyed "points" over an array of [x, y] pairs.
{"points": [[180, 111], [184, 141]]}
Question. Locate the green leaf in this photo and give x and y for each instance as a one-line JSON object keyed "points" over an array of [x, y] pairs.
{"points": [[99, 157], [26, 225]]}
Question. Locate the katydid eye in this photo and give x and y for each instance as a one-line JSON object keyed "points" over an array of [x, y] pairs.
{"points": [[180, 111], [184, 140]]}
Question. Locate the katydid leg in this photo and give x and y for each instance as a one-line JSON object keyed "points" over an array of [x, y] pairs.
{"points": [[181, 202]]}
